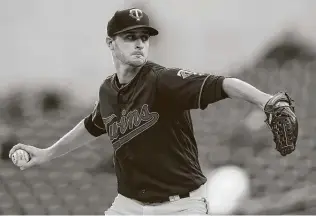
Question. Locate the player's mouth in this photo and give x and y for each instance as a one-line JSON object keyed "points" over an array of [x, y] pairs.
{"points": [[138, 53]]}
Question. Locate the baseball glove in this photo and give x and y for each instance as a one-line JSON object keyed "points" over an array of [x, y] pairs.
{"points": [[282, 121]]}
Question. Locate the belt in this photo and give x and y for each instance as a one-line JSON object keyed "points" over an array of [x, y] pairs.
{"points": [[201, 191], [196, 192], [177, 197], [165, 199]]}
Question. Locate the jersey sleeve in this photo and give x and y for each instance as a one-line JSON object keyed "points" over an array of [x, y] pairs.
{"points": [[94, 123], [185, 90]]}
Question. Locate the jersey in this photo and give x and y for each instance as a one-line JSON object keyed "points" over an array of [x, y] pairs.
{"points": [[149, 124]]}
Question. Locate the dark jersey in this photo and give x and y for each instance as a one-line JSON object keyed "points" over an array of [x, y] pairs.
{"points": [[149, 124]]}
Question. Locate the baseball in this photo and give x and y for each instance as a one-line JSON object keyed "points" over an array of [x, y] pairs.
{"points": [[227, 188], [20, 157]]}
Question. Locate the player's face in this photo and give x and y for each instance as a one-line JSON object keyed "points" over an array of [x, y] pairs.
{"points": [[131, 47]]}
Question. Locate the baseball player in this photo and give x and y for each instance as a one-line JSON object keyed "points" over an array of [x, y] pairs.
{"points": [[144, 109]]}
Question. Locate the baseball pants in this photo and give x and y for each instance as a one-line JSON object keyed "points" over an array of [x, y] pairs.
{"points": [[196, 204]]}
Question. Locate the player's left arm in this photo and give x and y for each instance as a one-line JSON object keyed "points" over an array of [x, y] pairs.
{"points": [[279, 109], [238, 89], [182, 90]]}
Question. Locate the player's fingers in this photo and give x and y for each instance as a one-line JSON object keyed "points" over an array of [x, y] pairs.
{"points": [[14, 148], [29, 149], [28, 164]]}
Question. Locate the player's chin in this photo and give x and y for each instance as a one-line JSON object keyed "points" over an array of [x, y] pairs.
{"points": [[136, 62]]}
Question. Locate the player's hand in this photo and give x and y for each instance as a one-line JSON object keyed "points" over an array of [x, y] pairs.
{"points": [[37, 156]]}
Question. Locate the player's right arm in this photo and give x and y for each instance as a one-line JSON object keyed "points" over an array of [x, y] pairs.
{"points": [[86, 131]]}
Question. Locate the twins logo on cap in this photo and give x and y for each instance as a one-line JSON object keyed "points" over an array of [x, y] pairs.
{"points": [[136, 14]]}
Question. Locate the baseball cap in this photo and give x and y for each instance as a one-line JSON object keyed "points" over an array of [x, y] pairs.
{"points": [[129, 19]]}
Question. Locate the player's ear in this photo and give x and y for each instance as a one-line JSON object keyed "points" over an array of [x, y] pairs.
{"points": [[110, 42]]}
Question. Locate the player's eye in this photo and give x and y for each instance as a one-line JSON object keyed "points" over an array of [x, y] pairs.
{"points": [[130, 37], [145, 38], [133, 37]]}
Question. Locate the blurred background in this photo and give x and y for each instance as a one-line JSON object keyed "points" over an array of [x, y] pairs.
{"points": [[54, 59]]}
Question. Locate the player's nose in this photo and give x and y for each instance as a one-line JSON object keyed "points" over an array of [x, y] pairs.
{"points": [[139, 44]]}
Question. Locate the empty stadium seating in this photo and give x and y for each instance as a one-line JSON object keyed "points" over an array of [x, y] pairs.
{"points": [[66, 186]]}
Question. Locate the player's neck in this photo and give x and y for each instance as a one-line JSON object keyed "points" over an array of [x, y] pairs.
{"points": [[125, 73]]}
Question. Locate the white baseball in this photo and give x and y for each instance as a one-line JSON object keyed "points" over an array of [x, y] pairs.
{"points": [[20, 157]]}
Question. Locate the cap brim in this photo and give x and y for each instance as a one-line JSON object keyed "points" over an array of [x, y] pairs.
{"points": [[152, 31]]}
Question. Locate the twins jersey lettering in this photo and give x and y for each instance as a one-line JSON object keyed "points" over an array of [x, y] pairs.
{"points": [[130, 125], [150, 128]]}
